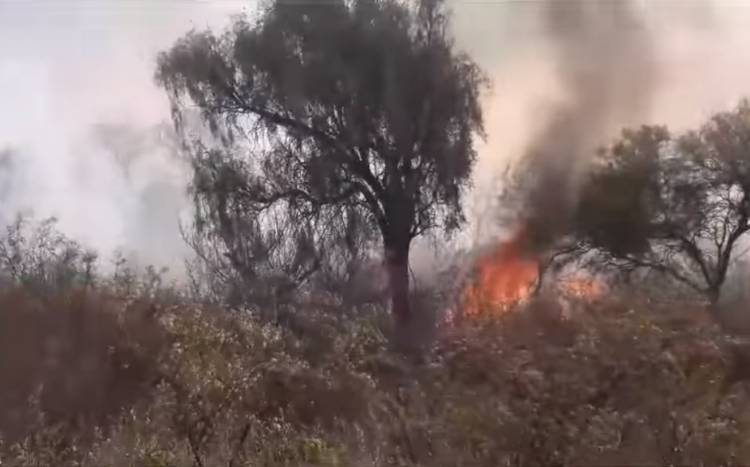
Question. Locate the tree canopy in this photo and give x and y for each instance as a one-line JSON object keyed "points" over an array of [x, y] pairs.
{"points": [[331, 114], [676, 205]]}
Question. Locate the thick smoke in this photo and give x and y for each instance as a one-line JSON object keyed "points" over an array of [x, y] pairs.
{"points": [[154, 177], [120, 187], [8, 162], [605, 64]]}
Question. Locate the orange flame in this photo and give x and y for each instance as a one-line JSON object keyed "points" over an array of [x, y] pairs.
{"points": [[504, 278]]}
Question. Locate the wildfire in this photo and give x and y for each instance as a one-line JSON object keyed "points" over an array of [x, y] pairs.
{"points": [[507, 276], [504, 277]]}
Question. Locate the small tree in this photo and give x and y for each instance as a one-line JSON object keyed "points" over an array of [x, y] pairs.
{"points": [[330, 114], [679, 206], [37, 255]]}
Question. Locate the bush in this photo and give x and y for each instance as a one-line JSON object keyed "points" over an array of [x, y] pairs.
{"points": [[72, 361], [92, 378], [610, 385]]}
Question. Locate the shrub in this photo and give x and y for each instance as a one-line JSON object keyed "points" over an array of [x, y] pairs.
{"points": [[71, 362], [612, 383]]}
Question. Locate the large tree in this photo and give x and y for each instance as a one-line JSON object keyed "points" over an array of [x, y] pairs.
{"points": [[329, 112], [675, 205]]}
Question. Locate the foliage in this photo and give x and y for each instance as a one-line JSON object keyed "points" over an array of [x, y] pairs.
{"points": [[678, 206], [338, 120], [38, 256], [71, 360], [613, 383]]}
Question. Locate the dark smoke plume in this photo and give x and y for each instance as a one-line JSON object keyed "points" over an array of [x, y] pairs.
{"points": [[605, 63]]}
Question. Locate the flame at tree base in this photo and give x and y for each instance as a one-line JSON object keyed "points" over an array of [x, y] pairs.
{"points": [[504, 277]]}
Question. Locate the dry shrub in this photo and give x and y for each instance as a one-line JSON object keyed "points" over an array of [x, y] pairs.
{"points": [[235, 391], [610, 385], [78, 358], [613, 383]]}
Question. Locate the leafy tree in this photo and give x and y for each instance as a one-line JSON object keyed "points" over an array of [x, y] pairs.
{"points": [[675, 205], [334, 115]]}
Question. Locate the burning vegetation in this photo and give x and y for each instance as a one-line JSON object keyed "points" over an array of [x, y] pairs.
{"points": [[101, 370], [504, 277], [509, 274], [269, 356]]}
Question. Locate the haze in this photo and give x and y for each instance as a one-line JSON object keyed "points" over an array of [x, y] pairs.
{"points": [[88, 130]]}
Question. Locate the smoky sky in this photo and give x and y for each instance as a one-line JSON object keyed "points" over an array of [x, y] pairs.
{"points": [[569, 75], [86, 129], [82, 122], [605, 60]]}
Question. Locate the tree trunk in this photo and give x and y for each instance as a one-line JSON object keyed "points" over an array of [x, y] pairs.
{"points": [[405, 338], [397, 264], [713, 294]]}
